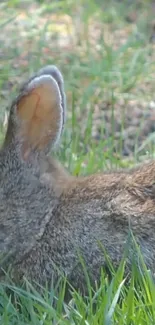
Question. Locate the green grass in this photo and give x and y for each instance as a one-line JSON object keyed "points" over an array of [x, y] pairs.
{"points": [[104, 60], [122, 300]]}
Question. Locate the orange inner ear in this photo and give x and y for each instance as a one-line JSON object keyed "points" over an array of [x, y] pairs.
{"points": [[39, 113]]}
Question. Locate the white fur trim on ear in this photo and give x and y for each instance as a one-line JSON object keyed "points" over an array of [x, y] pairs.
{"points": [[53, 71]]}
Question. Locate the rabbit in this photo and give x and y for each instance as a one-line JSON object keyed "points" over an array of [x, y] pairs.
{"points": [[48, 218]]}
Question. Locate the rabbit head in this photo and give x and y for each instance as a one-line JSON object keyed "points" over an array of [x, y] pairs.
{"points": [[35, 124], [46, 215]]}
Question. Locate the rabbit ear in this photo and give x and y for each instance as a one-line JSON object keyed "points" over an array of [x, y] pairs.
{"points": [[36, 118], [56, 74]]}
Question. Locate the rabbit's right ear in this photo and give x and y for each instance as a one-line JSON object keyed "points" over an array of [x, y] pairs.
{"points": [[53, 71], [36, 117]]}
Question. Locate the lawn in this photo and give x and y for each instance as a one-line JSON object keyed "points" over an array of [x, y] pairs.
{"points": [[106, 52]]}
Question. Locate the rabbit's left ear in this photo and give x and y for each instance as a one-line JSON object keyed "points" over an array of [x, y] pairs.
{"points": [[37, 115]]}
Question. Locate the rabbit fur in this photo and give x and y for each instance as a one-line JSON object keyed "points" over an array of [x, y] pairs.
{"points": [[48, 217]]}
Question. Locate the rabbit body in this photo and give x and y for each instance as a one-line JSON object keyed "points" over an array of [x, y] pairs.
{"points": [[91, 210], [47, 217]]}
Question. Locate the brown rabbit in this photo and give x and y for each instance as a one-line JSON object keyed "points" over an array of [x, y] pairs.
{"points": [[47, 217]]}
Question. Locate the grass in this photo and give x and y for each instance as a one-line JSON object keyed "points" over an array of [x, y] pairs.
{"points": [[107, 62], [113, 302]]}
